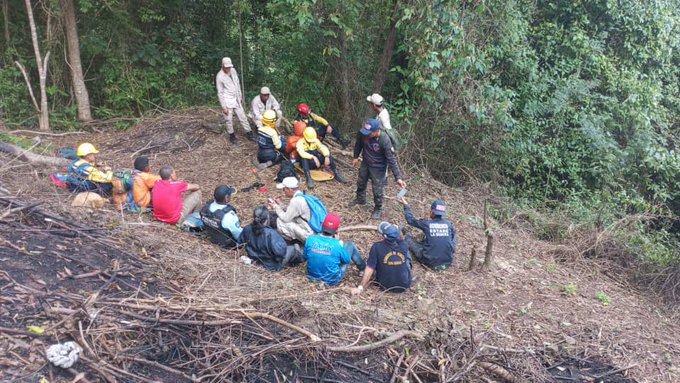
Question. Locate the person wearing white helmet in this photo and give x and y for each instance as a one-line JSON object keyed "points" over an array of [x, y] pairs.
{"points": [[263, 102], [231, 99], [377, 104], [84, 175]]}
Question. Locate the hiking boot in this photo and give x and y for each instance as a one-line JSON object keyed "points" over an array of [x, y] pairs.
{"points": [[250, 136], [339, 177], [232, 138], [356, 202], [310, 183], [377, 213], [263, 165]]}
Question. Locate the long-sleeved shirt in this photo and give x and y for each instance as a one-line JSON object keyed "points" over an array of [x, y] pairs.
{"points": [[305, 148], [440, 242], [297, 208], [384, 119], [268, 138], [228, 89], [142, 183], [258, 107], [377, 152], [87, 171], [268, 248], [313, 120]]}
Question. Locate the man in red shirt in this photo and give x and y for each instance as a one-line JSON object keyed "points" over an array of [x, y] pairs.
{"points": [[168, 204]]}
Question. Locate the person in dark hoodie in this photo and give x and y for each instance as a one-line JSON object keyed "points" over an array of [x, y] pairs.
{"points": [[438, 248], [390, 260], [265, 246]]}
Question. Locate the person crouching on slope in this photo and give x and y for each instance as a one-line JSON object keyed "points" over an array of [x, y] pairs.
{"points": [[312, 152], [270, 143]]}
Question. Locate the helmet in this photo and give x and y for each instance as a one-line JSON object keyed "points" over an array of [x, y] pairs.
{"points": [[85, 149], [299, 128], [304, 109], [269, 116], [309, 134]]}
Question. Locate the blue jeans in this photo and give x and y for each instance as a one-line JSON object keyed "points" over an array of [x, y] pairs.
{"points": [[356, 258]]}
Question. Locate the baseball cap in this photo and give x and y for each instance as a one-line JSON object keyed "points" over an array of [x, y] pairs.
{"points": [[226, 62], [223, 191], [370, 126], [375, 98], [265, 90], [288, 182], [330, 224], [389, 231], [438, 208]]}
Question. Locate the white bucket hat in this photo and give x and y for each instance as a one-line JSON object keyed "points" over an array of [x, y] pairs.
{"points": [[226, 62], [375, 98]]}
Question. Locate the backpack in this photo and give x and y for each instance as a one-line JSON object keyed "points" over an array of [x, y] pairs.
{"points": [[395, 138], [317, 211], [286, 170], [125, 177]]}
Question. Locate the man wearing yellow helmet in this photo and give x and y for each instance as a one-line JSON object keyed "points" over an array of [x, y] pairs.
{"points": [[312, 152], [83, 175], [270, 143]]}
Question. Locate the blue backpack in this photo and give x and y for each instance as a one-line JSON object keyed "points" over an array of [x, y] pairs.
{"points": [[318, 212]]}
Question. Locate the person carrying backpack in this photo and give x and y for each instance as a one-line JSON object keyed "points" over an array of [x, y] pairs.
{"points": [[293, 220], [221, 219], [84, 175]]}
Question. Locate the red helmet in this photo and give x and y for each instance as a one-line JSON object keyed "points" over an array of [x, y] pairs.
{"points": [[304, 109]]}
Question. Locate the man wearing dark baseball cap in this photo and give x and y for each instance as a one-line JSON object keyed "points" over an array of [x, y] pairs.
{"points": [[438, 248], [220, 218]]}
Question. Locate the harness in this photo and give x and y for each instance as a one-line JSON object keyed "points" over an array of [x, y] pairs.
{"points": [[213, 226], [77, 173]]}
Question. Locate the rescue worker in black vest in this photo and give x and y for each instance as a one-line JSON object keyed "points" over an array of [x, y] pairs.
{"points": [[319, 124], [220, 218], [438, 248], [270, 143]]}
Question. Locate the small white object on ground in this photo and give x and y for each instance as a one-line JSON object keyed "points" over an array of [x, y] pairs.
{"points": [[64, 355], [245, 260]]}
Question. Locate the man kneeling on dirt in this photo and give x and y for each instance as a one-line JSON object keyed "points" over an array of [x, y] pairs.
{"points": [[168, 204], [265, 245], [328, 257], [84, 175], [390, 260], [292, 221], [142, 182], [220, 218], [438, 248]]}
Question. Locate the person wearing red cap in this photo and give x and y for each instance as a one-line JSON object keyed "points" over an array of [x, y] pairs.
{"points": [[319, 124], [327, 256]]}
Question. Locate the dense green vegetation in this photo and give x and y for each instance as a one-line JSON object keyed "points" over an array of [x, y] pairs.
{"points": [[568, 105]]}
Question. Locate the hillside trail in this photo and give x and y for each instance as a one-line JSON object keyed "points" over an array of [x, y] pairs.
{"points": [[535, 316]]}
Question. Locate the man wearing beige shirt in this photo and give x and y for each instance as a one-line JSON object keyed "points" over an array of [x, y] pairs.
{"points": [[231, 99], [292, 221]]}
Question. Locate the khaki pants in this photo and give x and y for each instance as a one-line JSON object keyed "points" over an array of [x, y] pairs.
{"points": [[190, 203], [241, 115], [298, 230]]}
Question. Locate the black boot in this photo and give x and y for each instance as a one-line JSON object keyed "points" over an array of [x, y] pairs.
{"points": [[377, 213], [250, 136], [310, 183], [232, 138], [339, 177]]}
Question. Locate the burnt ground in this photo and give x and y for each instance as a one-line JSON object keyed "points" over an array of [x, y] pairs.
{"points": [[172, 307]]}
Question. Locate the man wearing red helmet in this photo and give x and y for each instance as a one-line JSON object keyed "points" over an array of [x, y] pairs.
{"points": [[319, 124]]}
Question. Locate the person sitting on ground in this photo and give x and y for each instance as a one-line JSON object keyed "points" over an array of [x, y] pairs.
{"points": [[312, 152], [220, 218], [378, 155], [143, 182], [263, 102], [390, 260], [291, 145], [84, 175], [327, 256], [265, 246], [319, 124], [292, 220], [383, 116], [270, 143], [168, 204], [438, 249]]}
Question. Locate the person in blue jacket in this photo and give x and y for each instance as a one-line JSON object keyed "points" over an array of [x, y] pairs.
{"points": [[265, 246], [220, 218], [438, 249]]}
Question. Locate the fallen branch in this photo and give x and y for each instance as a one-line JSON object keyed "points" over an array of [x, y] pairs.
{"points": [[381, 343], [33, 158], [21, 131], [358, 227], [500, 372]]}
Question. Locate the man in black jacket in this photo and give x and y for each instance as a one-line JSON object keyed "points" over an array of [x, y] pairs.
{"points": [[378, 155], [438, 248]]}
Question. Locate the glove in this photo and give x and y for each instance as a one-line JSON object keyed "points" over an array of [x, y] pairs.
{"points": [[64, 355]]}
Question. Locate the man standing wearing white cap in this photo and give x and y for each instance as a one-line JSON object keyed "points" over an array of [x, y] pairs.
{"points": [[264, 101], [231, 99], [292, 221], [383, 117]]}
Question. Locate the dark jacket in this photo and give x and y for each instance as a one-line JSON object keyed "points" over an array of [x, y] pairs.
{"points": [[439, 246], [213, 226], [377, 152], [267, 249]]}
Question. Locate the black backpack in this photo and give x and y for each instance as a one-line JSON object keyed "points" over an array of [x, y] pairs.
{"points": [[286, 169]]}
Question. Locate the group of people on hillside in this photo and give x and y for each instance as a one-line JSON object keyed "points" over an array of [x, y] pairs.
{"points": [[285, 235]]}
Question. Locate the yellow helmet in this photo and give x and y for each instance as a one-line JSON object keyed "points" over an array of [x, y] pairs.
{"points": [[85, 149], [309, 134], [269, 116]]}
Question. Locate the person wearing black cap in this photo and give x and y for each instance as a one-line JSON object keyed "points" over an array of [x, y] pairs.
{"points": [[378, 154], [438, 248], [266, 246], [390, 260], [220, 218]]}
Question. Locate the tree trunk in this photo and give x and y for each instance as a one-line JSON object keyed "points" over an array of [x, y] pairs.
{"points": [[33, 158], [73, 43], [44, 118], [345, 101], [5, 19], [388, 49]]}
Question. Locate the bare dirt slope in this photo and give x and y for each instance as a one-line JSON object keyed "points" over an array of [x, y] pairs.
{"points": [[172, 307]]}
